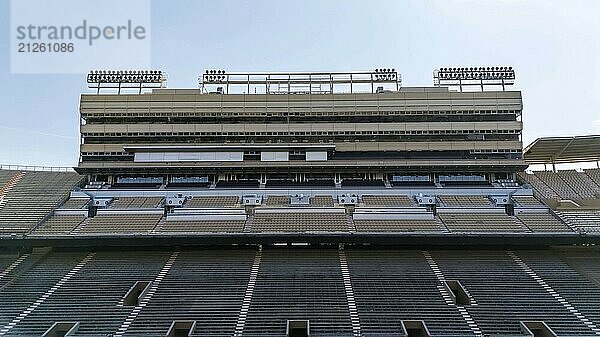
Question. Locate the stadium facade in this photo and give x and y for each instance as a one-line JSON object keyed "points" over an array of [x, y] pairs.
{"points": [[304, 204]]}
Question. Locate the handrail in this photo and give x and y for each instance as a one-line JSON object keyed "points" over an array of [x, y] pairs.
{"points": [[36, 168]]}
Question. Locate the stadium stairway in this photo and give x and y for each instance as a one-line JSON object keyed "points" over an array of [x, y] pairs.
{"points": [[248, 223], [577, 294], [9, 185], [506, 293]]}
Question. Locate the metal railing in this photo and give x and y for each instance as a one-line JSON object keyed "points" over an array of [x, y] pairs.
{"points": [[36, 168]]}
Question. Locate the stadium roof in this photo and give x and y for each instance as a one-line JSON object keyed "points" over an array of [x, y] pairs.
{"points": [[558, 150]]}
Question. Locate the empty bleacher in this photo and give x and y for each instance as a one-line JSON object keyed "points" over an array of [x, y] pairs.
{"points": [[75, 203], [278, 200], [208, 286], [212, 201], [321, 201], [27, 286], [299, 222], [554, 181], [526, 201], [205, 286], [579, 291], [594, 175], [542, 222], [120, 224], [481, 222], [587, 221], [505, 294], [538, 185], [33, 198], [395, 285], [5, 176], [580, 182], [299, 284], [388, 225], [465, 201], [59, 225], [200, 226], [92, 296], [136, 202], [388, 201]]}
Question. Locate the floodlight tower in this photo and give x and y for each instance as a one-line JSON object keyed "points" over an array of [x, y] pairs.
{"points": [[470, 76], [123, 79]]}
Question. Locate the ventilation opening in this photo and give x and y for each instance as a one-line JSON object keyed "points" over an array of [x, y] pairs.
{"points": [[61, 329], [415, 329], [537, 329], [135, 294], [298, 328], [181, 328], [459, 293]]}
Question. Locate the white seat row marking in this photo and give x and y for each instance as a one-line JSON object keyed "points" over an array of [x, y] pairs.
{"points": [[354, 317], [241, 321]]}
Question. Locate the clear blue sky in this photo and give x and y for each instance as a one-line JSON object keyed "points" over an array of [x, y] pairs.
{"points": [[554, 46]]}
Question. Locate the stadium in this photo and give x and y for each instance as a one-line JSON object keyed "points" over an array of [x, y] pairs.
{"points": [[330, 204]]}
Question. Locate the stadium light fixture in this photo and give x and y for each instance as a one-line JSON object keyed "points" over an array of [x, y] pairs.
{"points": [[118, 79], [469, 76], [297, 82]]}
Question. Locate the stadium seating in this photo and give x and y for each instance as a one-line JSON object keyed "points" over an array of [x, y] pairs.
{"points": [[553, 181], [212, 202], [91, 297], [594, 175], [28, 285], [120, 224], [383, 225], [481, 222], [210, 287], [33, 198], [583, 220], [539, 186], [136, 202], [278, 200], [75, 203], [580, 182], [5, 176], [299, 284], [388, 200], [526, 201], [321, 201], [299, 222], [199, 226], [59, 225], [205, 286], [543, 222], [504, 293], [394, 285], [465, 201], [577, 289]]}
